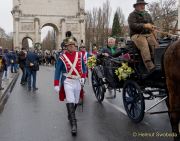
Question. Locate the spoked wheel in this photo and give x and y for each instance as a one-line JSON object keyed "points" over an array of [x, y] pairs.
{"points": [[133, 101], [98, 86]]}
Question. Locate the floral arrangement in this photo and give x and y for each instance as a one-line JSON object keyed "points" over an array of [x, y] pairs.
{"points": [[91, 62], [124, 71]]}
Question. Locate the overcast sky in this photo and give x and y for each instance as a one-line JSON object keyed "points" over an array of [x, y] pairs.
{"points": [[6, 7]]}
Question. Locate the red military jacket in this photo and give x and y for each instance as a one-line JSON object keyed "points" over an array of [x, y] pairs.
{"points": [[69, 65], [73, 64]]}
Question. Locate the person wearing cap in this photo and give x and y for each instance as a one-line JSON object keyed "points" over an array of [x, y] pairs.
{"points": [[32, 66], [85, 55], [94, 50], [68, 34], [69, 76], [141, 32]]}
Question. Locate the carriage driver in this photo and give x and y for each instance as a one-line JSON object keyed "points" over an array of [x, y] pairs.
{"points": [[141, 32], [71, 69]]}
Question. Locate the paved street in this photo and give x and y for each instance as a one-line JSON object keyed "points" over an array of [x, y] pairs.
{"points": [[39, 116]]}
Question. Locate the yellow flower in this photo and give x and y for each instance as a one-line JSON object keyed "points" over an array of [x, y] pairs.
{"points": [[91, 62], [124, 71]]}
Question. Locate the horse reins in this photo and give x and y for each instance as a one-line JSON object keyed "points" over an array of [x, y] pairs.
{"points": [[166, 33]]}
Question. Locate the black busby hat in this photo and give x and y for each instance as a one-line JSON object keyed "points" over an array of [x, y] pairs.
{"points": [[68, 34], [139, 2]]}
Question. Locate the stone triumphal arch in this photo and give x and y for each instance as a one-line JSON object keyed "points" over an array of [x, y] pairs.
{"points": [[30, 16]]}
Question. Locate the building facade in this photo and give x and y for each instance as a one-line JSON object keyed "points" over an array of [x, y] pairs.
{"points": [[30, 16]]}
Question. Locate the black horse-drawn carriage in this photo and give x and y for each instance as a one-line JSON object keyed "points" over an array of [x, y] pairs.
{"points": [[138, 87]]}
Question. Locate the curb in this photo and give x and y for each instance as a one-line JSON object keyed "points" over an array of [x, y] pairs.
{"points": [[8, 90]]}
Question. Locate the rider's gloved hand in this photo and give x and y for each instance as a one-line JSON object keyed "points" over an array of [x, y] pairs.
{"points": [[149, 26], [57, 89], [82, 81]]}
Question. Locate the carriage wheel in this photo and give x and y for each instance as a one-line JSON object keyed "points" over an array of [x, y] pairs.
{"points": [[98, 86], [133, 101]]}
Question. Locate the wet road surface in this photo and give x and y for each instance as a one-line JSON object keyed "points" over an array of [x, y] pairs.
{"points": [[39, 116]]}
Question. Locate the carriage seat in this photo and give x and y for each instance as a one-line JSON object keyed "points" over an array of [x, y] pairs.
{"points": [[157, 55], [157, 59]]}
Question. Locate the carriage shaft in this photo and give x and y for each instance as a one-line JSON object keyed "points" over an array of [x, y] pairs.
{"points": [[156, 104]]}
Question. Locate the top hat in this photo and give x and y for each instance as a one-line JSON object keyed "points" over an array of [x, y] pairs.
{"points": [[139, 2]]}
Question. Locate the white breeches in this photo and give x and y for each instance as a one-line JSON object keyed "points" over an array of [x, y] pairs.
{"points": [[72, 89]]}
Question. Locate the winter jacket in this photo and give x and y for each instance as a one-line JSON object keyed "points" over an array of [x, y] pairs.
{"points": [[136, 21]]}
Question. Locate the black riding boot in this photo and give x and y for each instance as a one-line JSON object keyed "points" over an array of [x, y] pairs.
{"points": [[75, 107], [71, 109], [68, 111]]}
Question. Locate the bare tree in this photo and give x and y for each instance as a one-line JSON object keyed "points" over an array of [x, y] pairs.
{"points": [[121, 16], [6, 41], [164, 14], [97, 25], [107, 14], [48, 41], [88, 29]]}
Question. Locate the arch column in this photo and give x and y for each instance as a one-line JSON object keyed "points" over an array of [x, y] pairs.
{"points": [[63, 29], [16, 38], [37, 34], [58, 40], [82, 30]]}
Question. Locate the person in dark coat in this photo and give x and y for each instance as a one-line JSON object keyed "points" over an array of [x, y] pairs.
{"points": [[7, 64], [13, 62], [32, 66], [22, 64], [142, 33], [111, 49]]}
